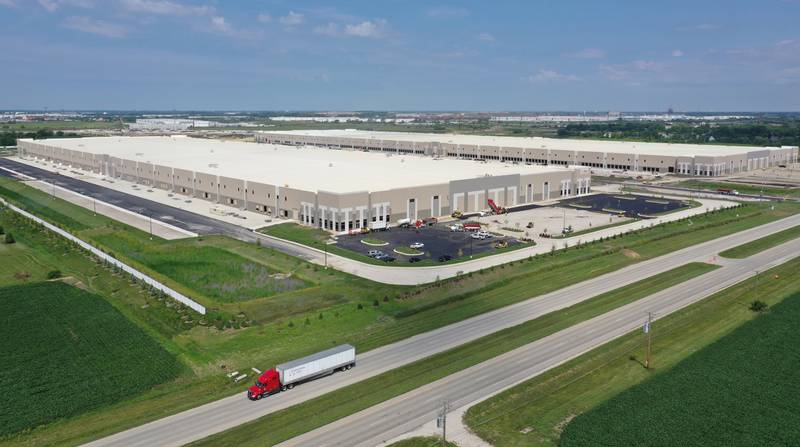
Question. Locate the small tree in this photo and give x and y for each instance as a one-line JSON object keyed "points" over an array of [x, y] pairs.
{"points": [[54, 274], [2, 231], [9, 238], [376, 303]]}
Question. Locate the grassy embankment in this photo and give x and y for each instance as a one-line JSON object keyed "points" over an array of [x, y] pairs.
{"points": [[288, 325], [301, 418], [535, 412], [759, 245], [742, 188]]}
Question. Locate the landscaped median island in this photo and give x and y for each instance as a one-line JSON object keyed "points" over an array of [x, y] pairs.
{"points": [[759, 245], [296, 420], [331, 307], [673, 408]]}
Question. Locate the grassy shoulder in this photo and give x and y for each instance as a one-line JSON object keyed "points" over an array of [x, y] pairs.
{"points": [[62, 342], [535, 412], [743, 188], [759, 245], [325, 409], [423, 441]]}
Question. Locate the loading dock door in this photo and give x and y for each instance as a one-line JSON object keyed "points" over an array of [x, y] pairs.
{"points": [[546, 191], [412, 209], [529, 194], [435, 210]]}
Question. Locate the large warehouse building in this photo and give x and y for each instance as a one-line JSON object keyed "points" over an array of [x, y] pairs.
{"points": [[688, 159], [337, 190]]}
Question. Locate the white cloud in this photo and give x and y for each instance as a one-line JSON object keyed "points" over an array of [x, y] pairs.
{"points": [[700, 27], [588, 53], [292, 19], [647, 65], [53, 5], [551, 76], [9, 3], [447, 12], [677, 53], [264, 18], [92, 26], [218, 23], [486, 37], [165, 7], [367, 28], [785, 42]]}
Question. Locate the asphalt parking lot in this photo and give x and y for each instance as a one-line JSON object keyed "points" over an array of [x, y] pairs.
{"points": [[631, 204], [438, 240]]}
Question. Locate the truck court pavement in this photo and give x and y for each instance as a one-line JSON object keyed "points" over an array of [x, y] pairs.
{"points": [[404, 413], [229, 412], [386, 274]]}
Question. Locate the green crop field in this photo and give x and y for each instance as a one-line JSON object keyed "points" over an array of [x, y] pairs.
{"points": [[535, 412], [762, 244], [741, 390], [66, 351]]}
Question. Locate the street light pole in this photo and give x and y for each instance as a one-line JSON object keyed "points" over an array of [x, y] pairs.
{"points": [[151, 225], [649, 339]]}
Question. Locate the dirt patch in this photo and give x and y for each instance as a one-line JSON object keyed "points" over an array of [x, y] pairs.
{"points": [[560, 426], [630, 253], [22, 276], [71, 280]]}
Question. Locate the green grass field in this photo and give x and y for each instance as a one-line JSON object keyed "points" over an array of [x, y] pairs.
{"points": [[762, 244], [535, 412], [67, 351], [740, 390], [742, 188], [317, 412]]}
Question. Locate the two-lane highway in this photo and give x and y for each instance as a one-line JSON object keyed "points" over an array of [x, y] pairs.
{"points": [[229, 412]]}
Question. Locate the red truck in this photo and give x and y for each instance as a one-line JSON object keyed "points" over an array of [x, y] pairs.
{"points": [[472, 226], [286, 375], [732, 192]]}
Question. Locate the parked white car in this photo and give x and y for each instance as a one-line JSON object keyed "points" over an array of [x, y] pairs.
{"points": [[456, 227], [417, 245], [477, 236], [484, 234]]}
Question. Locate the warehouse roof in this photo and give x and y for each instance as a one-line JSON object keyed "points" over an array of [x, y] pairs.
{"points": [[311, 169], [656, 149]]}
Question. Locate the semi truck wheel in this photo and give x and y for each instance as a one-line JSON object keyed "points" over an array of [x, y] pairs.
{"points": [[290, 386]]}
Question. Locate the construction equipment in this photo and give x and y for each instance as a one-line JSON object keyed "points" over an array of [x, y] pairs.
{"points": [[496, 209]]}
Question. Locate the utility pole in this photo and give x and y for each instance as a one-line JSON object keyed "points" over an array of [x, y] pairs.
{"points": [[325, 246], [94, 205], [441, 420], [151, 225], [647, 330]]}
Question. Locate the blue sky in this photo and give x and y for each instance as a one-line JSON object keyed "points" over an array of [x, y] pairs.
{"points": [[400, 55]]}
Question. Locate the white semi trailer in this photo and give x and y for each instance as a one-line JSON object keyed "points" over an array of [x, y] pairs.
{"points": [[285, 376]]}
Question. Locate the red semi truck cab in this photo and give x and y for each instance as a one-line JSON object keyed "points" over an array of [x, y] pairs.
{"points": [[268, 383]]}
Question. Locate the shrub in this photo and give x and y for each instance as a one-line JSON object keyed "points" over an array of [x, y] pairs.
{"points": [[2, 231], [758, 306], [9, 238], [308, 322], [360, 306], [291, 324], [54, 274], [320, 316], [376, 303]]}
